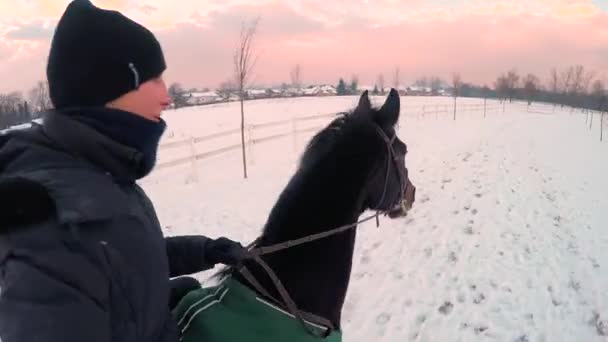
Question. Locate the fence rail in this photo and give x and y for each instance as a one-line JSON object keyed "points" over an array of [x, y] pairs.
{"points": [[258, 133]]}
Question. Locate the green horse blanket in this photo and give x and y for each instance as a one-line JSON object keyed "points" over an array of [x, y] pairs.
{"points": [[231, 312]]}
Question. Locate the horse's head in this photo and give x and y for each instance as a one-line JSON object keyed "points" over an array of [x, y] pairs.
{"points": [[389, 188], [363, 144]]}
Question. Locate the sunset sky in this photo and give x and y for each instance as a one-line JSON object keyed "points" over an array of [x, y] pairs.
{"points": [[477, 38]]}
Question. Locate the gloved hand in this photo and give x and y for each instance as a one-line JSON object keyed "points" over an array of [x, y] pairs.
{"points": [[225, 251]]}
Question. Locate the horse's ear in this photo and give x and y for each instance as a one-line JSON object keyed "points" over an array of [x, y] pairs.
{"points": [[389, 113], [364, 104]]}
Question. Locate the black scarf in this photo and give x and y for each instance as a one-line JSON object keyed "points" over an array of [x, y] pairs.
{"points": [[124, 128]]}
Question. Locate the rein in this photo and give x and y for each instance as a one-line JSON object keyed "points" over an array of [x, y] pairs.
{"points": [[255, 253]]}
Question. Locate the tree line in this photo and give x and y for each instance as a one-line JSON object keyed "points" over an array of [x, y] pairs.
{"points": [[573, 86], [16, 109]]}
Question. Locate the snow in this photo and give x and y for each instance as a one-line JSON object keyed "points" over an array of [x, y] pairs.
{"points": [[507, 240]]}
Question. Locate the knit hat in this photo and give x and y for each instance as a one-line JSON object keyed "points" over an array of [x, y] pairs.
{"points": [[99, 55]]}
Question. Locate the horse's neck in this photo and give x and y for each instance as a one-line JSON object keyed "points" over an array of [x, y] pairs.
{"points": [[315, 274]]}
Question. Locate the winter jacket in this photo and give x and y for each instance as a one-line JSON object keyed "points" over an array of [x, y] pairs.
{"points": [[82, 254]]}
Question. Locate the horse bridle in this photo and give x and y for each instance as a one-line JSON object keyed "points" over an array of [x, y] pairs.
{"points": [[255, 253], [392, 159]]}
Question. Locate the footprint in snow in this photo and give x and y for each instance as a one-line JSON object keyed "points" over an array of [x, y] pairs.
{"points": [[461, 298], [601, 326], [452, 257], [522, 338], [446, 308], [481, 328], [479, 298], [594, 263], [428, 252], [383, 318]]}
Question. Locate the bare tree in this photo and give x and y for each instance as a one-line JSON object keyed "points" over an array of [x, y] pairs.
{"points": [[435, 84], [176, 91], [531, 87], [380, 83], [422, 82], [486, 92], [296, 77], [456, 85], [354, 85], [39, 97], [554, 84], [566, 77], [501, 86], [226, 89], [600, 95], [13, 109], [245, 59], [512, 80], [397, 78]]}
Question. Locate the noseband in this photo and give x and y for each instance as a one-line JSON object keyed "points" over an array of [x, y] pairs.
{"points": [[393, 160]]}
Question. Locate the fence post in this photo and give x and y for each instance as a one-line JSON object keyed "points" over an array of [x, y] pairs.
{"points": [[503, 106], [591, 121], [602, 127], [423, 110], [250, 144], [485, 100], [454, 108], [194, 164]]}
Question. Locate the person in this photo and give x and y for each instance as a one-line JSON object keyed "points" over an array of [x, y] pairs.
{"points": [[82, 253]]}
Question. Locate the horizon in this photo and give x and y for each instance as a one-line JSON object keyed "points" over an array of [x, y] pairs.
{"points": [[478, 40]]}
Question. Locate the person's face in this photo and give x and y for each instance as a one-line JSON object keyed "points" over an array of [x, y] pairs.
{"points": [[148, 101]]}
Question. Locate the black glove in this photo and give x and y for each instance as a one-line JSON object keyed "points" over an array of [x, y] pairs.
{"points": [[225, 251]]}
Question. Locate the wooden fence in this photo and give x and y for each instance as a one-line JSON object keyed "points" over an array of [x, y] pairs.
{"points": [[259, 133]]}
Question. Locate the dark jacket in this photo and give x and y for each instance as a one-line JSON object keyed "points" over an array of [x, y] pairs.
{"points": [[82, 254]]}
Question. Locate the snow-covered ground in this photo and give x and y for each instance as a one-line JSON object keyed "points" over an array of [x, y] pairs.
{"points": [[508, 240]]}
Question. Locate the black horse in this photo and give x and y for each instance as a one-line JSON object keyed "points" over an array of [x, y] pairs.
{"points": [[356, 163]]}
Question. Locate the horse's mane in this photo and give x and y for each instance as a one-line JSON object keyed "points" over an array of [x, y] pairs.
{"points": [[341, 140]]}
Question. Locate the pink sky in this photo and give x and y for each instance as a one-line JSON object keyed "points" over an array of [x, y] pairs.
{"points": [[330, 39]]}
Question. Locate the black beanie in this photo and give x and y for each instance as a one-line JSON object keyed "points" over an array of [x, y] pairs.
{"points": [[99, 55]]}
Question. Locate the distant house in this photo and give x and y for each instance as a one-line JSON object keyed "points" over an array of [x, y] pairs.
{"points": [[416, 90], [199, 98], [273, 92], [327, 90], [256, 93], [320, 90]]}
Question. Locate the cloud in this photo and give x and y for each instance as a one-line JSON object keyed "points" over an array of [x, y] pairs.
{"points": [[147, 9], [21, 64], [5, 51], [275, 20], [339, 38], [601, 4], [36, 30]]}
